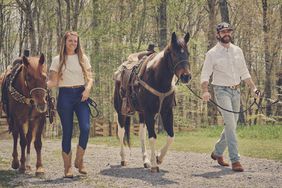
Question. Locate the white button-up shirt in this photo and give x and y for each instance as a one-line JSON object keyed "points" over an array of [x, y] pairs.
{"points": [[227, 65]]}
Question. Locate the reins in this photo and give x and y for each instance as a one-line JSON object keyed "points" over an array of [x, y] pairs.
{"points": [[231, 111], [227, 110], [92, 103]]}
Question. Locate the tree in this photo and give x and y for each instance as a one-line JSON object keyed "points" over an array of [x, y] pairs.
{"points": [[26, 6], [267, 57], [162, 24], [212, 110], [224, 11]]}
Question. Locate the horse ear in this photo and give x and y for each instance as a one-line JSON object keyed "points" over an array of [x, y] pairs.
{"points": [[187, 37], [42, 59], [173, 39], [25, 61]]}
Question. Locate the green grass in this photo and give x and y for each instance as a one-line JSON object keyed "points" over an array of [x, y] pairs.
{"points": [[254, 141]]}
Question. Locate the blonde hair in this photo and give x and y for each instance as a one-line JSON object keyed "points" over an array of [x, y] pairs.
{"points": [[78, 51]]}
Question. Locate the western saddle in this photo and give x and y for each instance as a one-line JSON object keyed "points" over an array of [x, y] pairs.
{"points": [[127, 75]]}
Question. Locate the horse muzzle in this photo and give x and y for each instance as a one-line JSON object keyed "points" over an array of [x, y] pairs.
{"points": [[185, 77], [41, 108]]}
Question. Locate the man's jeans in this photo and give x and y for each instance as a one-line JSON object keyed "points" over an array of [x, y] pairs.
{"points": [[229, 99], [69, 102]]}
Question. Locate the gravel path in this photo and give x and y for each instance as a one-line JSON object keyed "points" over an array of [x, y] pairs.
{"points": [[179, 169]]}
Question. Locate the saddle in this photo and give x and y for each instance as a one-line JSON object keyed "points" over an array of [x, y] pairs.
{"points": [[7, 78], [127, 74]]}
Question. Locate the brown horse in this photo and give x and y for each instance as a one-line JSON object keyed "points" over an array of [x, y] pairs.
{"points": [[153, 97], [24, 92]]}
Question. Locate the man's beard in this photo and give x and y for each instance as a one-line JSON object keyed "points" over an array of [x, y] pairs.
{"points": [[226, 39]]}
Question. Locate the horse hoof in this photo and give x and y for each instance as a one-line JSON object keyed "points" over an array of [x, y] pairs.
{"points": [[22, 170], [158, 160], [123, 163], [147, 165], [39, 171], [155, 169], [15, 165], [39, 174], [28, 168]]}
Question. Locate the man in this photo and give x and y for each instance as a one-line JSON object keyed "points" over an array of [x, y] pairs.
{"points": [[226, 63]]}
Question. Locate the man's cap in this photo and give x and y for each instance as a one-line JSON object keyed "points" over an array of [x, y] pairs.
{"points": [[223, 26]]}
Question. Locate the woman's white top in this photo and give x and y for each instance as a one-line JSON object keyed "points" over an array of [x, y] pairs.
{"points": [[72, 74]]}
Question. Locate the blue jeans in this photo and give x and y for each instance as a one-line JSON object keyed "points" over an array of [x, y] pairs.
{"points": [[229, 99], [69, 101]]}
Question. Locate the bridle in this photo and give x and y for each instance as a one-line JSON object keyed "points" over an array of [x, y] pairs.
{"points": [[173, 66], [18, 96], [38, 88]]}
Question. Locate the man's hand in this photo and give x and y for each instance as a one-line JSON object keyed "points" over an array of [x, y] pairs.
{"points": [[257, 93], [206, 96]]}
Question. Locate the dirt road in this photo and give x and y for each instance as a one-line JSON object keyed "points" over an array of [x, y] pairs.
{"points": [[179, 169]]}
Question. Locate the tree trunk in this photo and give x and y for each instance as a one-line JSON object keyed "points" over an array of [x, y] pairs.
{"points": [[21, 32], [224, 11], [141, 24], [59, 25], [78, 6], [268, 63], [26, 6], [162, 24], [279, 96], [212, 110], [162, 34], [1, 25], [68, 15], [96, 49]]}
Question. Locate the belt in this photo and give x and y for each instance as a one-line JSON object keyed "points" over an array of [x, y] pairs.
{"points": [[73, 87], [234, 86]]}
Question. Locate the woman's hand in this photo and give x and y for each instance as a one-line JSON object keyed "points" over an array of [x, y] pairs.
{"points": [[85, 94], [52, 80]]}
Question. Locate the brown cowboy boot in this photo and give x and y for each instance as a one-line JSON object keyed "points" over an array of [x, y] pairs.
{"points": [[78, 163], [67, 165], [219, 159], [237, 167]]}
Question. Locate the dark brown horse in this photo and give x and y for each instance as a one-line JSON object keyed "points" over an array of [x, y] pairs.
{"points": [[24, 102], [153, 98]]}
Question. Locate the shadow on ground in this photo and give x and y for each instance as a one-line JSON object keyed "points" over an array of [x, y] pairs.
{"points": [[215, 174], [138, 173]]}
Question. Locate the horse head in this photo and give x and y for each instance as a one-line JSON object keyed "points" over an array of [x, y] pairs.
{"points": [[35, 75], [180, 57]]}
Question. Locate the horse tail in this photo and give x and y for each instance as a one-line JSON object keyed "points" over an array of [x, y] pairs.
{"points": [[124, 122], [127, 130]]}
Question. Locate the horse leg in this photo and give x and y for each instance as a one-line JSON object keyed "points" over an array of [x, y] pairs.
{"points": [[121, 133], [15, 162], [29, 140], [150, 122], [38, 146], [23, 143], [142, 136], [168, 126]]}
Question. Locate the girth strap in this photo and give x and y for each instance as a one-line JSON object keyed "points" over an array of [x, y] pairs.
{"points": [[161, 96]]}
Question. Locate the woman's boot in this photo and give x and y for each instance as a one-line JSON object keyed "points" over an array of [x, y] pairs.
{"points": [[78, 163], [67, 165]]}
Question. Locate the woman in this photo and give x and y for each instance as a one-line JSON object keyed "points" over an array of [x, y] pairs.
{"points": [[70, 71]]}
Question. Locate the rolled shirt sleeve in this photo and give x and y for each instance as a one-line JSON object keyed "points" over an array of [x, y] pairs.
{"points": [[207, 69], [243, 68]]}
